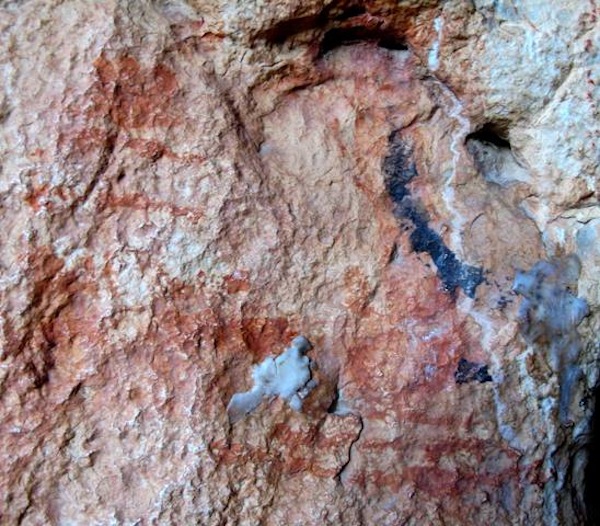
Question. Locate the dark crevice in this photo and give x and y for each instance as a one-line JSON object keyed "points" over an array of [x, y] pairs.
{"points": [[344, 466], [393, 253], [393, 43], [287, 29], [342, 26], [491, 133], [345, 36], [494, 157], [592, 471], [399, 170], [333, 406], [351, 12]]}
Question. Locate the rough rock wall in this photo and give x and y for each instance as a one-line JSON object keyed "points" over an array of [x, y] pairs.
{"points": [[185, 186]]}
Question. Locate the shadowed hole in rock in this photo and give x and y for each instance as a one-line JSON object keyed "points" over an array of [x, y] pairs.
{"points": [[351, 12], [338, 37], [592, 471], [494, 157], [333, 406], [335, 37], [491, 133], [287, 29]]}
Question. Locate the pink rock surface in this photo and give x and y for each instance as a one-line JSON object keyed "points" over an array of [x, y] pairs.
{"points": [[186, 186]]}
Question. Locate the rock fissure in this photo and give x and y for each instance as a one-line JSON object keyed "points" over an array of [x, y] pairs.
{"points": [[340, 474]]}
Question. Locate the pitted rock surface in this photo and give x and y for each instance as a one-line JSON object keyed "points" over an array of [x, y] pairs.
{"points": [[188, 185]]}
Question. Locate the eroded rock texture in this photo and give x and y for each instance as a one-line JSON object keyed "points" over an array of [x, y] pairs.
{"points": [[187, 185]]}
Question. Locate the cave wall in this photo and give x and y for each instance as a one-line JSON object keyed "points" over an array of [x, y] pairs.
{"points": [[187, 185]]}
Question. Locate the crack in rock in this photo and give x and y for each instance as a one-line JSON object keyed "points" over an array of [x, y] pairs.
{"points": [[345, 465]]}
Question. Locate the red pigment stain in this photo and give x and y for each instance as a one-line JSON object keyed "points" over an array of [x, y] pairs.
{"points": [[154, 150], [237, 282], [235, 453], [132, 97], [142, 202], [56, 305], [38, 153], [291, 450], [264, 336], [147, 149], [37, 196], [357, 290], [138, 98]]}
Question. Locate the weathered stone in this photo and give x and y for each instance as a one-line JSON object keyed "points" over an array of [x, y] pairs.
{"points": [[187, 185]]}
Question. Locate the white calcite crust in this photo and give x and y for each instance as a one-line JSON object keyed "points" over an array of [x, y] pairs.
{"points": [[287, 376]]}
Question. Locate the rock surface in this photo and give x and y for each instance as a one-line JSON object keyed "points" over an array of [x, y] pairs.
{"points": [[187, 185]]}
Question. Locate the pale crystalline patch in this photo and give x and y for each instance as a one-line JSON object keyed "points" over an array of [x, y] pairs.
{"points": [[287, 376], [549, 314], [434, 53]]}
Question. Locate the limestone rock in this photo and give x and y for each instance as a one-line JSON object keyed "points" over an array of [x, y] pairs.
{"points": [[186, 185]]}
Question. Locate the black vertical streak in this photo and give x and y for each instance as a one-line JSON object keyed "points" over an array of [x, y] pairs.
{"points": [[399, 170]]}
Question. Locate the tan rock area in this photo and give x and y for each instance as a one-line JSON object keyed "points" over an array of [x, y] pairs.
{"points": [[187, 185]]}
